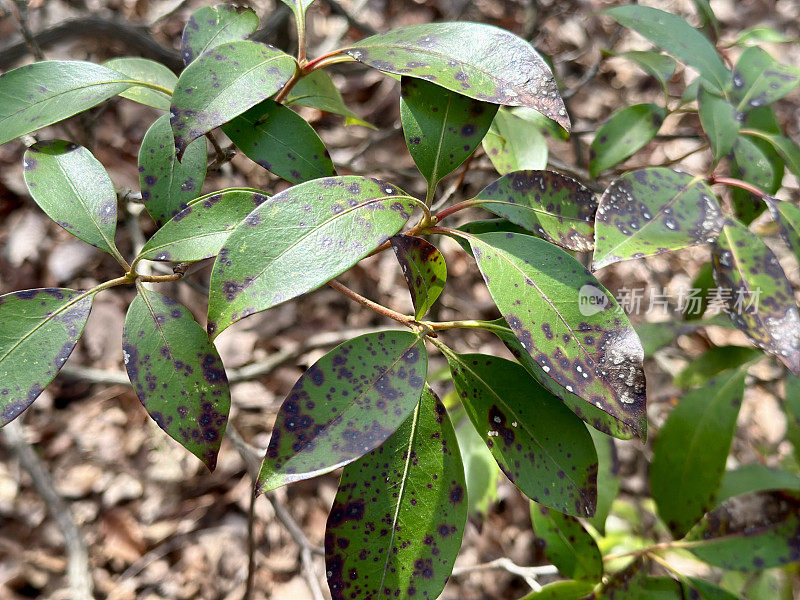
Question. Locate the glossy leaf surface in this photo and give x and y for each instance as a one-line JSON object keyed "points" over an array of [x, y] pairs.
{"points": [[177, 373], [472, 59], [38, 331], [720, 121], [566, 544], [396, 524], [335, 222], [345, 405], [211, 26], [758, 79], [143, 69], [624, 134], [281, 141], [223, 83], [552, 206], [651, 211], [423, 268], [514, 144]]}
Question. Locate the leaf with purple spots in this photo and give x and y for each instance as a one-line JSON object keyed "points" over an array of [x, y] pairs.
{"points": [[651, 211], [544, 449], [515, 144], [345, 405], [720, 120], [624, 134], [281, 141], [200, 229], [759, 299], [38, 331], [396, 524], [211, 26], [73, 188], [300, 239], [223, 83], [759, 80], [442, 128], [168, 185], [787, 216], [424, 270], [177, 373], [317, 90], [144, 69], [753, 163], [46, 92], [552, 206], [475, 60], [566, 544], [568, 322]]}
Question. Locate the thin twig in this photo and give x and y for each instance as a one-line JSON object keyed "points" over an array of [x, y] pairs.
{"points": [[529, 574]]}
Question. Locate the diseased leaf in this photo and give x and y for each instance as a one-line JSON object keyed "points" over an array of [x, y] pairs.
{"points": [[786, 149], [608, 478], [281, 141], [713, 361], [396, 524], [424, 269], [787, 216], [566, 544], [200, 229], [316, 231], [223, 83], [675, 36], [480, 470], [703, 590], [624, 134], [73, 188], [758, 79], [472, 59], [49, 91], [552, 206], [211, 26], [567, 321], [143, 69], [177, 373], [761, 301], [539, 444], [168, 185], [317, 90], [487, 226], [720, 121], [755, 478], [514, 144], [38, 331], [752, 164], [660, 66], [690, 451], [562, 590], [749, 533], [651, 211], [345, 405]]}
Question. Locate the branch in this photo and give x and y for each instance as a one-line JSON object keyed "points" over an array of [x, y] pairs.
{"points": [[529, 574]]}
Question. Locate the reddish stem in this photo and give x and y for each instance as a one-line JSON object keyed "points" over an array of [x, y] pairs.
{"points": [[738, 183]]}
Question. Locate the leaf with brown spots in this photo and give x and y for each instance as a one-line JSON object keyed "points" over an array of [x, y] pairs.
{"points": [[651, 211], [344, 406], [552, 206], [566, 544], [298, 240], [624, 134], [759, 299], [514, 144], [424, 269], [753, 161], [567, 321], [211, 26], [539, 444], [396, 524], [177, 373], [38, 331], [475, 60], [758, 79]]}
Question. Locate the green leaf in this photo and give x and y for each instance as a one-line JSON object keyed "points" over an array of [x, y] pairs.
{"points": [[791, 406], [223, 83], [345, 405], [143, 69], [442, 128], [787, 216], [655, 336], [552, 206], [755, 478], [38, 331], [317, 90], [200, 229], [751, 164], [624, 134], [480, 470], [299, 7], [689, 452], [316, 231], [758, 79], [168, 185], [757, 35], [676, 37], [559, 471], [749, 533], [713, 361], [73, 188], [608, 478], [720, 121], [513, 143], [397, 520], [281, 141], [703, 590], [651, 211], [761, 301], [562, 590], [660, 66], [788, 151], [566, 544], [46, 92], [545, 125], [590, 350], [211, 26], [424, 269], [479, 61]]}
